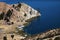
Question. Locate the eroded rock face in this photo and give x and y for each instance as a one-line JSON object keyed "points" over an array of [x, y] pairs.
{"points": [[48, 35]]}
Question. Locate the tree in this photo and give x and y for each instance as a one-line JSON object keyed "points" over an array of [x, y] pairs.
{"points": [[4, 38], [1, 16], [13, 5], [25, 14], [19, 5], [7, 20], [9, 13], [12, 36]]}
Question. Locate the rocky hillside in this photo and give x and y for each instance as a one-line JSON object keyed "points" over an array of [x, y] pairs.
{"points": [[14, 17], [12, 20], [48, 35], [16, 14]]}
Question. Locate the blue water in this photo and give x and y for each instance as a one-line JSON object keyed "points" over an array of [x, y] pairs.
{"points": [[50, 16]]}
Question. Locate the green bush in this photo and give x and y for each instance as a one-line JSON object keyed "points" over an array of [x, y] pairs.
{"points": [[25, 14], [1, 16], [19, 5], [9, 13]]}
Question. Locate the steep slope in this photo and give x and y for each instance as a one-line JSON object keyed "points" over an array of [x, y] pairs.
{"points": [[15, 16]]}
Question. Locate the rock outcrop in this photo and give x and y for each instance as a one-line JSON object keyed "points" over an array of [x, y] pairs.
{"points": [[48, 35]]}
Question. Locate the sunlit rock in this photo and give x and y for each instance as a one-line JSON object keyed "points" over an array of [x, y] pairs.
{"points": [[13, 19]]}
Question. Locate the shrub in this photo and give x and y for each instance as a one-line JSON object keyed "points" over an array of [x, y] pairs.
{"points": [[1, 16], [19, 5], [9, 13], [25, 14]]}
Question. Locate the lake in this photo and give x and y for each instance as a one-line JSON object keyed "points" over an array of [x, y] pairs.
{"points": [[50, 16]]}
